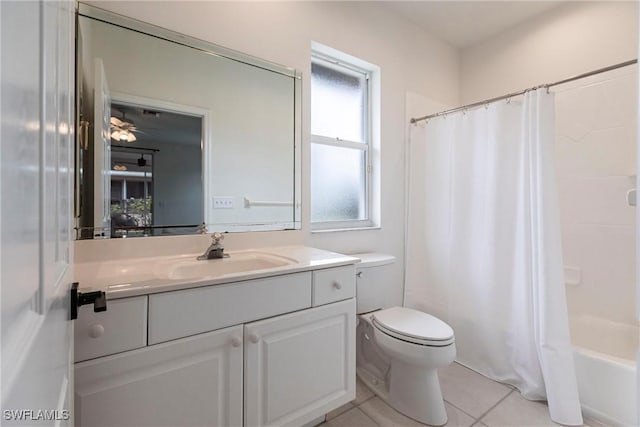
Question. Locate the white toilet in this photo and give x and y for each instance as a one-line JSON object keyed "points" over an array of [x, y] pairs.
{"points": [[399, 349]]}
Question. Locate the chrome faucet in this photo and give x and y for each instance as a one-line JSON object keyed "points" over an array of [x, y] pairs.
{"points": [[215, 250]]}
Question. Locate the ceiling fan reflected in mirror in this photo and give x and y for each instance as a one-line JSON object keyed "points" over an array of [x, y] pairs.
{"points": [[122, 129]]}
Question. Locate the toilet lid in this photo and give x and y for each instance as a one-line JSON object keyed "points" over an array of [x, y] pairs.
{"points": [[414, 325]]}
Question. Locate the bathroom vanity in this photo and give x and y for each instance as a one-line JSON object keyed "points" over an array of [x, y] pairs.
{"points": [[259, 338]]}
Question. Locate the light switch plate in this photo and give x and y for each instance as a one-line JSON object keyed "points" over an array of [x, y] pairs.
{"points": [[221, 202]]}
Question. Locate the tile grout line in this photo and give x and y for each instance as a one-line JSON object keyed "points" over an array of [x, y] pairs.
{"points": [[343, 412], [364, 412], [426, 425], [475, 420], [364, 401], [512, 387], [463, 411], [494, 406]]}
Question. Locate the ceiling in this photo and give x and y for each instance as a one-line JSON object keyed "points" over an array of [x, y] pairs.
{"points": [[465, 23], [162, 127]]}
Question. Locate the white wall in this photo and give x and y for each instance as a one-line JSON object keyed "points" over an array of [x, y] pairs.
{"points": [[596, 165], [572, 39], [177, 181], [410, 61]]}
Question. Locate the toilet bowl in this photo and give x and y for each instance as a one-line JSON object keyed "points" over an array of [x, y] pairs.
{"points": [[400, 349]]}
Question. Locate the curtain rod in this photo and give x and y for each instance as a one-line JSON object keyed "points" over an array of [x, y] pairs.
{"points": [[521, 92]]}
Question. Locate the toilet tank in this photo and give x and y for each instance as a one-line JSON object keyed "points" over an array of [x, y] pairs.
{"points": [[374, 275]]}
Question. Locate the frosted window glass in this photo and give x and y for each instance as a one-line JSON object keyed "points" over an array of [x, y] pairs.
{"points": [[337, 103], [337, 183]]}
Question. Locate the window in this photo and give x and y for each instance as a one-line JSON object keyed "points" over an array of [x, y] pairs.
{"points": [[340, 144]]}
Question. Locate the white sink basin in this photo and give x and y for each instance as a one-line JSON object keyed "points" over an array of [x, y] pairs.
{"points": [[239, 262]]}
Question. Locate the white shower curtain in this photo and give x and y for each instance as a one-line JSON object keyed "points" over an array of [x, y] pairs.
{"points": [[483, 245]]}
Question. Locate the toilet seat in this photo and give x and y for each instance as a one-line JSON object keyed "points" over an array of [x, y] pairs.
{"points": [[413, 326]]}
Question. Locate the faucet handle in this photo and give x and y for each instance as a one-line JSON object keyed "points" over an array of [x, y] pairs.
{"points": [[216, 238]]}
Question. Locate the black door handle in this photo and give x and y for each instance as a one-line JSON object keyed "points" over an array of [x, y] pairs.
{"points": [[97, 298]]}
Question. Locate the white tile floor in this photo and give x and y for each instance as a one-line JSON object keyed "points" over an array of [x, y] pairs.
{"points": [[470, 398]]}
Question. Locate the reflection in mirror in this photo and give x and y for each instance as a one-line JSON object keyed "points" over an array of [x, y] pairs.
{"points": [[156, 171], [177, 134]]}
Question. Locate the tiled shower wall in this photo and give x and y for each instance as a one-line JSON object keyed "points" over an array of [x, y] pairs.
{"points": [[596, 166]]}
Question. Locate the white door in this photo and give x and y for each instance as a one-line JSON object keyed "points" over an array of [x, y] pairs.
{"points": [[101, 153], [36, 218], [299, 366], [194, 381]]}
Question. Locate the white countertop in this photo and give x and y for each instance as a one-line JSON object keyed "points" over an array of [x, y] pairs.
{"points": [[139, 276]]}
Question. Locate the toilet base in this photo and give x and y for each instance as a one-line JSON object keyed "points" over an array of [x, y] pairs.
{"points": [[416, 406], [374, 383], [416, 393]]}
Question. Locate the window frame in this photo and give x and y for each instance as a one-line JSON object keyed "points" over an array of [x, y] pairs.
{"points": [[364, 146]]}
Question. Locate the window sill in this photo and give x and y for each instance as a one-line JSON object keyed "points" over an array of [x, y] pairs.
{"points": [[337, 230]]}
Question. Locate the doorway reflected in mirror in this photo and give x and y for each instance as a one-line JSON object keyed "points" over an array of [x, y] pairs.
{"points": [[156, 172]]}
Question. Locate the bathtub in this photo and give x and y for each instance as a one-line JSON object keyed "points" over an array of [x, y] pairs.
{"points": [[605, 361]]}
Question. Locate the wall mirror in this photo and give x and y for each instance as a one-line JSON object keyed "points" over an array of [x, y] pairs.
{"points": [[177, 135]]}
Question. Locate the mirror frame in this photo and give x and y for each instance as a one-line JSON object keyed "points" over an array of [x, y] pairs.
{"points": [[108, 17]]}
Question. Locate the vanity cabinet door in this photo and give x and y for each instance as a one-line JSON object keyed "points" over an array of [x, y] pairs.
{"points": [[195, 381], [299, 366]]}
